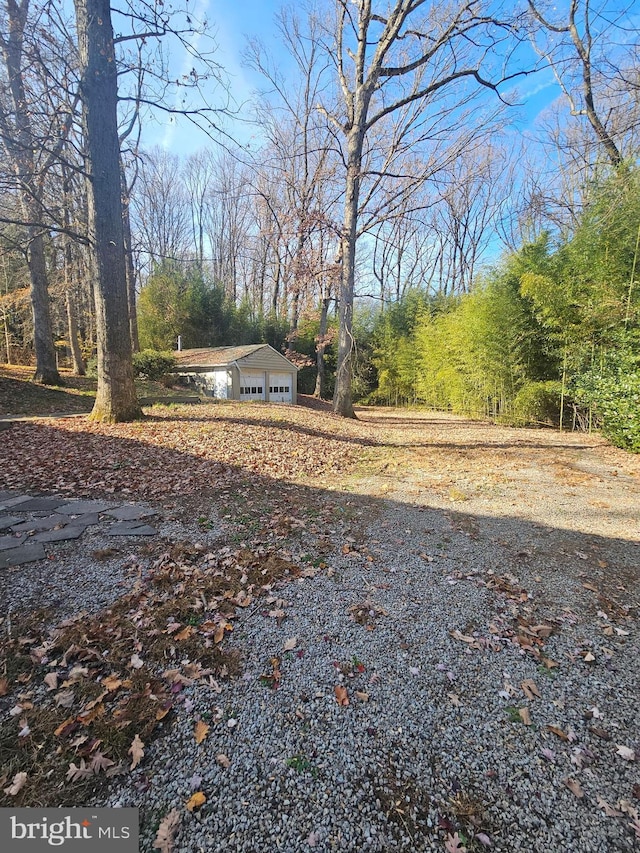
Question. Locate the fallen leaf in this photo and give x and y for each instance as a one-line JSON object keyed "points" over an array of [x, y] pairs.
{"points": [[549, 754], [195, 801], [608, 810], [472, 642], [626, 807], [51, 680], [542, 630], [453, 844], [223, 760], [574, 787], [290, 644], [167, 831], [483, 838], [164, 709], [17, 784], [100, 762], [342, 697], [530, 690], [362, 696], [588, 658], [64, 698], [185, 633], [601, 733], [4, 686], [201, 731], [625, 752], [74, 774], [455, 699], [111, 682], [65, 727], [525, 716], [558, 732], [136, 751], [136, 661]]}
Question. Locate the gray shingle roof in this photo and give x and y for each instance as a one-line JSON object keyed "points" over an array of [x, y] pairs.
{"points": [[214, 356]]}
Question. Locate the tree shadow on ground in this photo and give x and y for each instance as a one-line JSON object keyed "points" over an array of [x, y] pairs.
{"points": [[482, 570]]}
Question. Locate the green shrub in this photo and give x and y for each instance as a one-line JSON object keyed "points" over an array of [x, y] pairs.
{"points": [[615, 397], [536, 404], [153, 365]]}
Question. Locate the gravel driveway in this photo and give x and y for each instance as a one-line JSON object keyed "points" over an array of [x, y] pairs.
{"points": [[461, 672]]}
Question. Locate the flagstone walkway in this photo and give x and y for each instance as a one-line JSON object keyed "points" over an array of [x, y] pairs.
{"points": [[29, 522]]}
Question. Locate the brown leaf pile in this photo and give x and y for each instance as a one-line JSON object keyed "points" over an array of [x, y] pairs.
{"points": [[87, 694], [179, 451]]}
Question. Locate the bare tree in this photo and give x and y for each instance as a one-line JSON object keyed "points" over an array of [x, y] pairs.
{"points": [[32, 138], [301, 156], [392, 65], [162, 207], [579, 45], [116, 398]]}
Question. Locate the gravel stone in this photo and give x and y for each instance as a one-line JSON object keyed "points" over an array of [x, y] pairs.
{"points": [[486, 531]]}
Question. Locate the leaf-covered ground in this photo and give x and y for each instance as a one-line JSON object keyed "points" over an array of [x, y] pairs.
{"points": [[300, 492], [20, 397]]}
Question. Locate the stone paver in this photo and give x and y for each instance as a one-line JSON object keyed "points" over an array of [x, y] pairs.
{"points": [[13, 502], [24, 554], [48, 519], [62, 535], [11, 542], [79, 507], [33, 525], [86, 520], [37, 504], [131, 513]]}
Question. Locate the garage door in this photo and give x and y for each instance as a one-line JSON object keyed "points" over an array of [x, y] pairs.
{"points": [[252, 386], [280, 388]]}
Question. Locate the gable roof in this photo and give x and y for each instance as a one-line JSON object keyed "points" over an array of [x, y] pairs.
{"points": [[221, 356]]}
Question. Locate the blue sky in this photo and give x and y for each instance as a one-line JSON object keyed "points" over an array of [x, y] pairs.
{"points": [[232, 21]]}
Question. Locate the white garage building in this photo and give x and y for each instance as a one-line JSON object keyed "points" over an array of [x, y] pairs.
{"points": [[253, 372]]}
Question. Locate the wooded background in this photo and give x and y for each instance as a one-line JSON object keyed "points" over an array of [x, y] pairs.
{"points": [[394, 223]]}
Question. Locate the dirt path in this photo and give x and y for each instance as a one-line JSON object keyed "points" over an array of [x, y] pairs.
{"points": [[568, 483]]}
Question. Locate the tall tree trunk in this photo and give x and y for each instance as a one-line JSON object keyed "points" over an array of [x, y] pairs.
{"points": [[5, 312], [74, 344], [342, 396], [20, 144], [116, 397], [72, 323], [320, 350], [130, 267], [46, 367]]}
